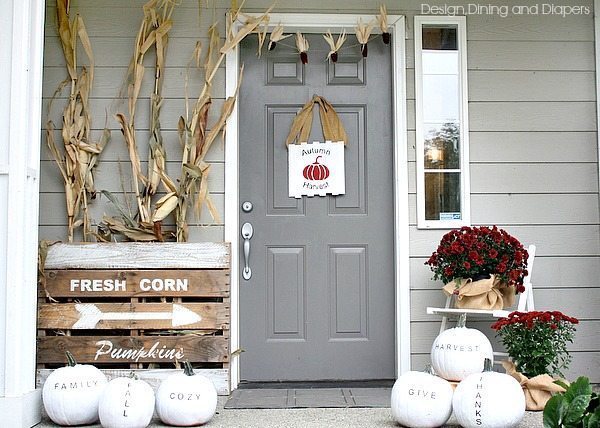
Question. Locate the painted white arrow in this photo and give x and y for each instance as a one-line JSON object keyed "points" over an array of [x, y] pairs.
{"points": [[90, 315]]}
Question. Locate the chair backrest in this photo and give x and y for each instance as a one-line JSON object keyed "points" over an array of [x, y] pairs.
{"points": [[526, 298]]}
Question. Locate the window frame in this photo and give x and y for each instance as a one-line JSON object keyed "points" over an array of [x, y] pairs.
{"points": [[463, 121]]}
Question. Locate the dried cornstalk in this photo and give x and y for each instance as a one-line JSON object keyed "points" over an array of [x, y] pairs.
{"points": [[153, 33], [194, 136], [80, 155]]}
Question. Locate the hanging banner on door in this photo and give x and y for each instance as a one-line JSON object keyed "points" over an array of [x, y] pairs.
{"points": [[316, 169]]}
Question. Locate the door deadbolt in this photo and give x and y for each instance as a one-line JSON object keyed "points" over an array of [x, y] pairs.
{"points": [[247, 206]]}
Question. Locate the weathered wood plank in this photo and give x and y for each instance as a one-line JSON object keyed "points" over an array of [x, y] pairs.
{"points": [[137, 349], [151, 316], [219, 377], [137, 283], [136, 255]]}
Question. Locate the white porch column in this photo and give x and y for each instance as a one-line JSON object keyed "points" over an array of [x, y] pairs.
{"points": [[21, 32]]}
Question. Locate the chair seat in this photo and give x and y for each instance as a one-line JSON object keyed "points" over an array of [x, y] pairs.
{"points": [[497, 313]]}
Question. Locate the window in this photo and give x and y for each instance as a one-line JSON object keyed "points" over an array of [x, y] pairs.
{"points": [[442, 146]]}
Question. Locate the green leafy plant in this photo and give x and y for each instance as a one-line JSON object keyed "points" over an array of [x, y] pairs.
{"points": [[577, 407], [537, 340]]}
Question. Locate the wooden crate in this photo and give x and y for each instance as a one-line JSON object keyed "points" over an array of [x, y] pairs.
{"points": [[136, 306]]}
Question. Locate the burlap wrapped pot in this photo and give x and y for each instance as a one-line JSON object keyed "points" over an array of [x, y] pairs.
{"points": [[538, 390], [490, 293]]}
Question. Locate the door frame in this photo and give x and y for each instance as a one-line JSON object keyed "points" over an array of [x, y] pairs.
{"points": [[319, 23]]}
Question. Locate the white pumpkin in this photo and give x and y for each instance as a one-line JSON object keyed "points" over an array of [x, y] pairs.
{"points": [[460, 351], [126, 402], [71, 394], [421, 400], [186, 399], [489, 399]]}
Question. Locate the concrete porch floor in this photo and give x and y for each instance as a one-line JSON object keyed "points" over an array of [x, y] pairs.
{"points": [[310, 418]]}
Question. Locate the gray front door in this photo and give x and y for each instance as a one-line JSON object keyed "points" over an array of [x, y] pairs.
{"points": [[320, 302]]}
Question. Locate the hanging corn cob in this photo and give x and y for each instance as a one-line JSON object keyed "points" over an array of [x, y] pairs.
{"points": [[383, 24], [302, 46], [363, 32], [276, 36], [334, 45]]}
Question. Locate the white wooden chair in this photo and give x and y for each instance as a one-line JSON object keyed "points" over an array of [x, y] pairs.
{"points": [[525, 303]]}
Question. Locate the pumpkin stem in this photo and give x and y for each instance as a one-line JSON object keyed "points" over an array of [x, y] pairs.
{"points": [[428, 369], [188, 370], [70, 359], [487, 365], [133, 376], [462, 320], [317, 160]]}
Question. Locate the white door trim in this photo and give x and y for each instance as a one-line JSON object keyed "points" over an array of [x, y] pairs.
{"points": [[319, 23]]}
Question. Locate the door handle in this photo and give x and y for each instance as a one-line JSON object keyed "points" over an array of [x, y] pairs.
{"points": [[247, 232]]}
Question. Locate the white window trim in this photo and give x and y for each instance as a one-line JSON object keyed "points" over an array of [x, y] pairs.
{"points": [[318, 23], [422, 223], [597, 50]]}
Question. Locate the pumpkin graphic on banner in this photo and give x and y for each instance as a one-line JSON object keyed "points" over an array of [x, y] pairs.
{"points": [[316, 169]]}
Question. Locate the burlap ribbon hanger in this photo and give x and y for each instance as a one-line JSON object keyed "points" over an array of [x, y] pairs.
{"points": [[488, 293], [333, 129], [538, 390]]}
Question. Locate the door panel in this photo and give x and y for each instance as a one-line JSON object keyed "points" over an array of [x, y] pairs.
{"points": [[320, 303]]}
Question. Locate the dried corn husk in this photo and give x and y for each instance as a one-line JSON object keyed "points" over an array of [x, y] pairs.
{"points": [[334, 45], [302, 46], [276, 36]]}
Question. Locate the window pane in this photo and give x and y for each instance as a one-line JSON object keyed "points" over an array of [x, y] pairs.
{"points": [[442, 196], [442, 146], [440, 62], [440, 98], [439, 38]]}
